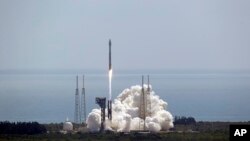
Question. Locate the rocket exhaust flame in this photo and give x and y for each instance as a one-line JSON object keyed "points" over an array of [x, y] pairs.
{"points": [[110, 84], [110, 72]]}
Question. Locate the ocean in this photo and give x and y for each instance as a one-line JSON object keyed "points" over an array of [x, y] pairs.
{"points": [[49, 96]]}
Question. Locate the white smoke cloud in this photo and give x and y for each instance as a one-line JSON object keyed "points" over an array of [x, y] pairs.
{"points": [[94, 120], [125, 110]]}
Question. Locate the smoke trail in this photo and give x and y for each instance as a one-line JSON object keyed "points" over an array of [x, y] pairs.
{"points": [[126, 113]]}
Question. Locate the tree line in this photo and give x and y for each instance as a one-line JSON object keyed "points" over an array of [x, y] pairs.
{"points": [[29, 128], [184, 120]]}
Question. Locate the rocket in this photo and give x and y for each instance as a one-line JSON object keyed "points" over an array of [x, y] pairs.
{"points": [[110, 65], [110, 69], [110, 109]]}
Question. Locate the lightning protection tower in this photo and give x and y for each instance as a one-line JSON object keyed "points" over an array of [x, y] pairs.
{"points": [[143, 106], [77, 103], [149, 100], [83, 104]]}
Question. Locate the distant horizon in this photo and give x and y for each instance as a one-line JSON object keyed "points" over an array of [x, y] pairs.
{"points": [[50, 96], [125, 70]]}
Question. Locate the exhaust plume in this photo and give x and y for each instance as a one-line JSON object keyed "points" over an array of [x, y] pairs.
{"points": [[110, 84], [126, 113]]}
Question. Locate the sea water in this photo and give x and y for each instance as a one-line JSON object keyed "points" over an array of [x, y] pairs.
{"points": [[50, 96]]}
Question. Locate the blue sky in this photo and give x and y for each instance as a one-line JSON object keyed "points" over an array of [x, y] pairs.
{"points": [[158, 34]]}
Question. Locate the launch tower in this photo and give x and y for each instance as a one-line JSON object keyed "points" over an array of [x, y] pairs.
{"points": [[101, 101], [77, 103], [149, 100], [145, 104], [83, 104], [142, 108]]}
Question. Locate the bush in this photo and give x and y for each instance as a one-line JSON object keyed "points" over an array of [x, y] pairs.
{"points": [[184, 120], [29, 128]]}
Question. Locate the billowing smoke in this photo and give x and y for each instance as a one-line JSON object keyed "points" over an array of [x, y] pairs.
{"points": [[126, 113]]}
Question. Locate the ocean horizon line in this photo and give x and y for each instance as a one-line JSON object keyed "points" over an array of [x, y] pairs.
{"points": [[125, 71]]}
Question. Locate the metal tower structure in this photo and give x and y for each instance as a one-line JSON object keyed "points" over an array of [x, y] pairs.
{"points": [[101, 101], [149, 100], [143, 106], [83, 104], [77, 103]]}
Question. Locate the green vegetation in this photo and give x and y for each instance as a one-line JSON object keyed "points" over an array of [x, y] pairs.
{"points": [[118, 137], [183, 120], [29, 128], [54, 127], [198, 131]]}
